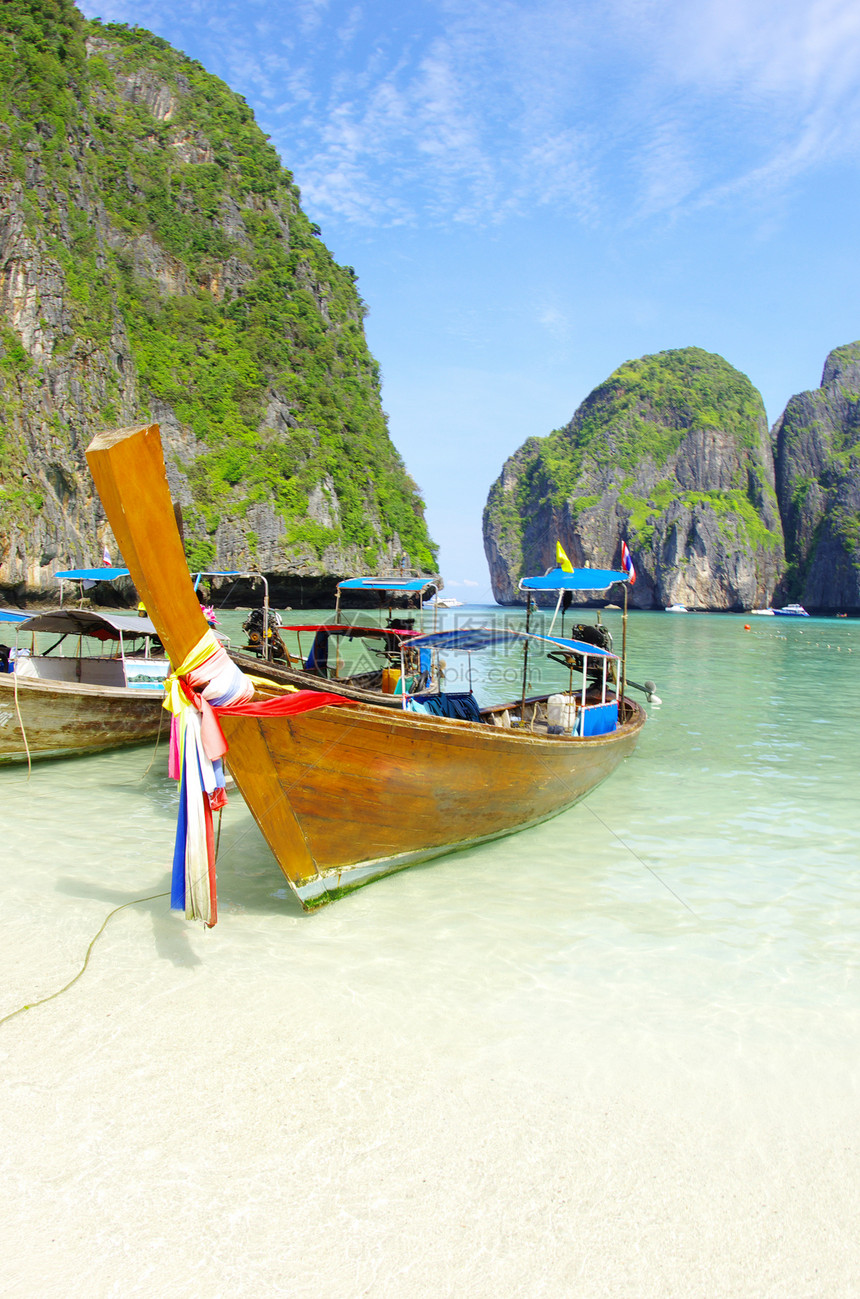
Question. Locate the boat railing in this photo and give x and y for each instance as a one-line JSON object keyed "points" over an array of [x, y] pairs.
{"points": [[558, 715]]}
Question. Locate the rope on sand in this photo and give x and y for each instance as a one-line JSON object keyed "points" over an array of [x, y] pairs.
{"points": [[32, 1005]]}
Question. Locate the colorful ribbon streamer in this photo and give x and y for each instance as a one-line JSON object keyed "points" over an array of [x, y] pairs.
{"points": [[206, 677], [205, 685]]}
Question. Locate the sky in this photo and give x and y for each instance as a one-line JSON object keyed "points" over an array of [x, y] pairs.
{"points": [[533, 192]]}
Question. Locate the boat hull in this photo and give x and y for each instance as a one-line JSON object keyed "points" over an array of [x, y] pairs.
{"points": [[61, 719], [345, 795]]}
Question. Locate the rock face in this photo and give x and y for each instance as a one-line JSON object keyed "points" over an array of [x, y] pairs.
{"points": [[672, 455], [156, 265], [817, 453]]}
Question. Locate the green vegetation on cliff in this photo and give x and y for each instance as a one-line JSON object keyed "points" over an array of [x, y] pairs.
{"points": [[818, 480], [641, 415], [669, 448], [645, 410], [172, 224]]}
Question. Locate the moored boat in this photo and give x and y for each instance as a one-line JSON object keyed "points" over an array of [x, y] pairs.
{"points": [[57, 704], [345, 791], [345, 795]]}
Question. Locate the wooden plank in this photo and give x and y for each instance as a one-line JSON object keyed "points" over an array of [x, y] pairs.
{"points": [[251, 767], [127, 466], [363, 787]]}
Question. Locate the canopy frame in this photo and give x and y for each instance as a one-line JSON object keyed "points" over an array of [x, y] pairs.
{"points": [[581, 579], [468, 639], [420, 585]]}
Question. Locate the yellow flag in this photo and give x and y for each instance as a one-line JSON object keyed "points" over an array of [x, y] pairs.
{"points": [[561, 559]]}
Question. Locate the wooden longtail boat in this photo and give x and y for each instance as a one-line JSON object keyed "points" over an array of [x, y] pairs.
{"points": [[55, 705], [344, 794]]}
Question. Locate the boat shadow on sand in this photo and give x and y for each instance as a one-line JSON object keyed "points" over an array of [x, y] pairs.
{"points": [[171, 939], [249, 883]]}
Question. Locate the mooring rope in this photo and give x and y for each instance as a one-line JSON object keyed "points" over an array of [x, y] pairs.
{"points": [[623, 843], [642, 862], [21, 724], [148, 769], [41, 1002]]}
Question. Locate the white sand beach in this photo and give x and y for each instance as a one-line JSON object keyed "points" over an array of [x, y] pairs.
{"points": [[432, 1088]]}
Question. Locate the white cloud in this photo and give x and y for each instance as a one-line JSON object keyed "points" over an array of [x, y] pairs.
{"points": [[474, 110]]}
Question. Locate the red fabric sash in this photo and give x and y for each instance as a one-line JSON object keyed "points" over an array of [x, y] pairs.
{"points": [[284, 705]]}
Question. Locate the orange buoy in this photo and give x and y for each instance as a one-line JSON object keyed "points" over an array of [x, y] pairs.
{"points": [[747, 627]]}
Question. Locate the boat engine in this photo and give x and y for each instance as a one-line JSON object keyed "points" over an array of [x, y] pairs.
{"points": [[589, 634], [592, 634], [253, 628]]}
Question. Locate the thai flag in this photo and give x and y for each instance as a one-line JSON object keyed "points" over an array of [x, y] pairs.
{"points": [[106, 557], [627, 562]]}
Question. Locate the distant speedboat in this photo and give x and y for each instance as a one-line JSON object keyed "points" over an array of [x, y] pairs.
{"points": [[763, 613], [792, 611], [448, 603], [676, 608]]}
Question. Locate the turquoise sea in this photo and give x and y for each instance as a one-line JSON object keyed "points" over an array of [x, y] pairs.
{"points": [[615, 1055]]}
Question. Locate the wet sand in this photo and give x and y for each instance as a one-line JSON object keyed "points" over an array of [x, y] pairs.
{"points": [[193, 1132]]}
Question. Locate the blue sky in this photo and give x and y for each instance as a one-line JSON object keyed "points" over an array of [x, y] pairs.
{"points": [[533, 192]]}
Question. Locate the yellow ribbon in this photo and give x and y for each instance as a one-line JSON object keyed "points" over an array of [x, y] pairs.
{"points": [[175, 699]]}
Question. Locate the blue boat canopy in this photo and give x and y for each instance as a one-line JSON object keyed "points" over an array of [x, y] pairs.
{"points": [[388, 583], [478, 638], [7, 615], [91, 574], [581, 579]]}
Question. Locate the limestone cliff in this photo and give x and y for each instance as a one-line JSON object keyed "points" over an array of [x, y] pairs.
{"points": [[155, 264], [817, 452], [672, 455]]}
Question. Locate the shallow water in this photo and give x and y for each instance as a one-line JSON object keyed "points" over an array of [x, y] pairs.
{"points": [[612, 1055]]}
